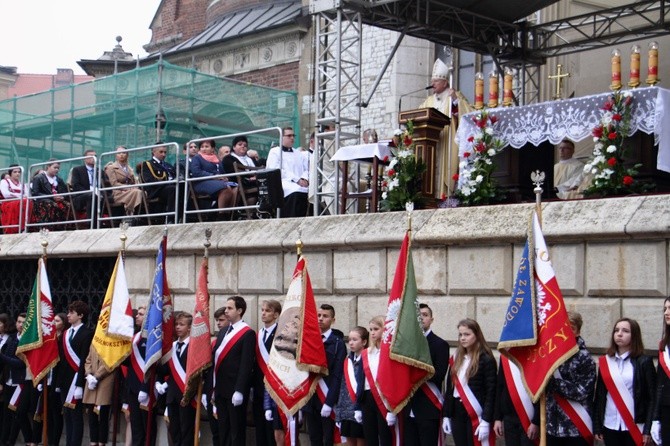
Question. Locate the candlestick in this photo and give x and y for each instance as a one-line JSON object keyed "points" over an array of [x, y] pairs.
{"points": [[493, 89], [479, 91], [634, 66], [508, 95], [616, 70], [652, 70]]}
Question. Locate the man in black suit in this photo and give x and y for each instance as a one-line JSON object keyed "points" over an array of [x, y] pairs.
{"points": [[137, 391], [182, 417], [233, 366], [156, 171], [270, 311], [318, 413], [423, 413], [73, 352], [83, 179]]}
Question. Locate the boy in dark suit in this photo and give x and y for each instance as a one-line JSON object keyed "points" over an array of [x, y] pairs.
{"points": [[73, 352], [182, 418], [233, 366], [422, 422], [318, 412], [270, 311]]}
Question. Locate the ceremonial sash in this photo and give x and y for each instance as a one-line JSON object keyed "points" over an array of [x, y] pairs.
{"points": [[433, 394], [322, 392], [16, 397], [178, 372], [395, 430], [136, 358], [350, 379], [262, 354], [471, 404], [74, 362], [521, 401], [578, 415], [664, 360], [623, 400], [227, 343]]}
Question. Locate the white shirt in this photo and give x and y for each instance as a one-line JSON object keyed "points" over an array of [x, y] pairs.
{"points": [[613, 418], [10, 190], [183, 347], [294, 166], [246, 160], [373, 362]]}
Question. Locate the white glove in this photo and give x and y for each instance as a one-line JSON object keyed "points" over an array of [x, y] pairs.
{"points": [[446, 425], [40, 387], [143, 398], [57, 389], [268, 415], [92, 382], [391, 419], [237, 399], [203, 401], [326, 410], [358, 416], [482, 431], [78, 393], [656, 432], [161, 388]]}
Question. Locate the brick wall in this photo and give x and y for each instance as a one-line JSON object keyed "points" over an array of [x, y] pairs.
{"points": [[178, 21], [281, 77]]}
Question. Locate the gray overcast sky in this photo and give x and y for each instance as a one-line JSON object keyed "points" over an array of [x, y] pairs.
{"points": [[40, 36]]}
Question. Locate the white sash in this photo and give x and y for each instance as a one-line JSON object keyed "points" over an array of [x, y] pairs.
{"points": [[74, 361], [521, 390], [178, 368], [472, 399], [265, 354], [350, 379]]}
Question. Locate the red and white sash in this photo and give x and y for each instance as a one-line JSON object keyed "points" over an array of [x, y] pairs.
{"points": [[16, 397], [578, 415], [433, 394], [229, 340], [136, 358], [623, 400], [350, 379], [471, 404], [322, 392], [372, 382], [178, 372], [664, 360], [262, 354], [521, 401], [74, 362]]}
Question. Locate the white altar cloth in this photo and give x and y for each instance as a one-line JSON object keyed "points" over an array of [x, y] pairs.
{"points": [[575, 119], [363, 152]]}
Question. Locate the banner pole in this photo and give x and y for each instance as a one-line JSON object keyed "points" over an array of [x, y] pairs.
{"points": [[537, 178], [543, 419]]}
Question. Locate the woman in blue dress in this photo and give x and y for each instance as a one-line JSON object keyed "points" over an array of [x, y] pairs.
{"points": [[206, 164]]}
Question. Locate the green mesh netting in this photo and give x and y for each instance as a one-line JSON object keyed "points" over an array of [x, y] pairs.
{"points": [[122, 109]]}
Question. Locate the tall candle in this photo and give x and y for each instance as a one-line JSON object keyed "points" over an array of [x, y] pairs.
{"points": [[479, 91], [652, 70], [616, 70], [634, 67], [493, 89], [508, 83]]}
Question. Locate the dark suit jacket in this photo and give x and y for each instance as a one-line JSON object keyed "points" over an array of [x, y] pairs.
{"points": [[17, 368], [482, 384], [336, 351], [80, 183], [259, 385], [439, 355], [234, 373], [81, 344], [151, 171], [174, 394], [133, 383], [228, 166], [42, 187]]}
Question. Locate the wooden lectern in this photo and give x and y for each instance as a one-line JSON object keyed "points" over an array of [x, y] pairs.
{"points": [[428, 124]]}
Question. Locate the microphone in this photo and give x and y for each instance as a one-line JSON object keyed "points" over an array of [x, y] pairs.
{"points": [[407, 94]]}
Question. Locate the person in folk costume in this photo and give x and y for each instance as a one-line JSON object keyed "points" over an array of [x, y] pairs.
{"points": [[73, 351], [572, 385], [470, 397], [11, 191], [375, 427], [508, 424], [98, 396], [318, 414], [50, 204], [270, 311], [625, 389], [348, 409], [660, 429], [454, 105], [423, 413], [234, 354], [182, 417]]}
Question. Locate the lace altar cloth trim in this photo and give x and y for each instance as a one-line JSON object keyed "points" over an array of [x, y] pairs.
{"points": [[574, 119]]}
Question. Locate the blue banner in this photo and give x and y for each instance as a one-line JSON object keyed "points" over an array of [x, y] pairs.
{"points": [[153, 323]]}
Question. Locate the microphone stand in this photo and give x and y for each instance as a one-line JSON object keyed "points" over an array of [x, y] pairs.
{"points": [[407, 94]]}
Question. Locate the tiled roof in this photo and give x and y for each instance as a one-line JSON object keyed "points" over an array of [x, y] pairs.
{"points": [[35, 83]]}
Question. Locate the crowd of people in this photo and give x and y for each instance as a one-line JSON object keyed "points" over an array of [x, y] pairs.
{"points": [[621, 399]]}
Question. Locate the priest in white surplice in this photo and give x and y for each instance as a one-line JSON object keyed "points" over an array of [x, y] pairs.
{"points": [[568, 172], [453, 104]]}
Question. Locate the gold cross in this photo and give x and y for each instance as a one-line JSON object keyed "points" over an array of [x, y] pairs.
{"points": [[559, 80]]}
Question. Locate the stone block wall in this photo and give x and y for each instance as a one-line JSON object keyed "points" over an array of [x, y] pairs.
{"points": [[611, 258]]}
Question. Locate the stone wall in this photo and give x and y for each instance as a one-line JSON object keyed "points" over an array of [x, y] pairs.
{"points": [[610, 255]]}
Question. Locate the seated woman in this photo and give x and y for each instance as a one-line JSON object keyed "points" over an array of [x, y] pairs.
{"points": [[11, 191], [50, 205], [206, 164]]}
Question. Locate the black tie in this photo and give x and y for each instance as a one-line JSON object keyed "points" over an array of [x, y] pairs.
{"points": [[230, 328], [179, 346], [71, 334], [323, 338], [287, 149], [265, 335]]}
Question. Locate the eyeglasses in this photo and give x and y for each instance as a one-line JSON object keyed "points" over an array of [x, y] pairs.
{"points": [[292, 135]]}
